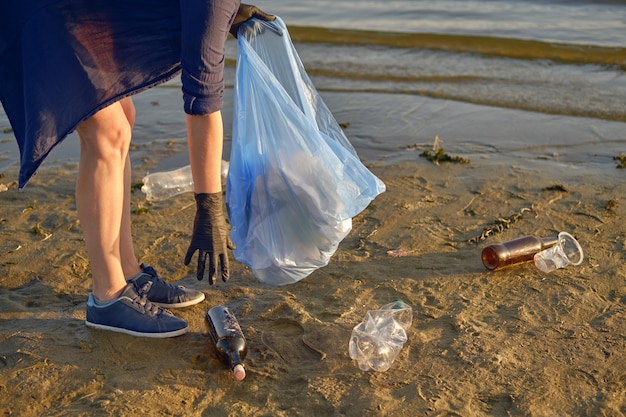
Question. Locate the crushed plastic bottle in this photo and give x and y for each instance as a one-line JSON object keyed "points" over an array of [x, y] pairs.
{"points": [[163, 185], [378, 339]]}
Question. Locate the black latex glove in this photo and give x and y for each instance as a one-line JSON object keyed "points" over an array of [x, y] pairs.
{"points": [[210, 237], [247, 12]]}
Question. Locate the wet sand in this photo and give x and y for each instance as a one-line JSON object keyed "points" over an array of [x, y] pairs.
{"points": [[515, 342]]}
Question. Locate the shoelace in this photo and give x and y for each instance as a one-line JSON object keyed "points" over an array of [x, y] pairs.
{"points": [[153, 273], [142, 300]]}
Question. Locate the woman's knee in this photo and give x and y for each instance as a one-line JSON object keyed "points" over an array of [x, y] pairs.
{"points": [[106, 134]]}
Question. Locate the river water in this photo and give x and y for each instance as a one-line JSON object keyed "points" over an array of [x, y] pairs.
{"points": [[517, 78]]}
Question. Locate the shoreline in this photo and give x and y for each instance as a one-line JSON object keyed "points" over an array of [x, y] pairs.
{"points": [[409, 125]]}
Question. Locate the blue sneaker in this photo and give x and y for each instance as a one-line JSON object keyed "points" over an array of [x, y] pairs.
{"points": [[163, 293], [131, 313]]}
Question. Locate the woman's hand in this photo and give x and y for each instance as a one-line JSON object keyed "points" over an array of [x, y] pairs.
{"points": [[210, 237], [247, 12]]}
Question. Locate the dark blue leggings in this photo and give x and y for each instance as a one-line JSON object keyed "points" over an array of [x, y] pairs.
{"points": [[204, 29]]}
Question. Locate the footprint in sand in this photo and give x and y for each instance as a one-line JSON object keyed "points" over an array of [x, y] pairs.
{"points": [[287, 339]]}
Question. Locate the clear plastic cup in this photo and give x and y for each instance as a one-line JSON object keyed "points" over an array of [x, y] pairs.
{"points": [[566, 252]]}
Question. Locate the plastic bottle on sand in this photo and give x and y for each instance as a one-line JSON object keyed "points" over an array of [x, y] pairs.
{"points": [[515, 251], [163, 185], [378, 339], [228, 338]]}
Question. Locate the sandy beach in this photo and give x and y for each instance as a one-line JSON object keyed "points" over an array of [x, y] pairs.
{"points": [[529, 95], [514, 342]]}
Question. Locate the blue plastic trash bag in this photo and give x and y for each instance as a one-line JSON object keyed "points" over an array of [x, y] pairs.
{"points": [[294, 182]]}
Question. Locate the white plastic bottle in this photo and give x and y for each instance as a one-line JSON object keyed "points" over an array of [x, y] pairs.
{"points": [[163, 185], [378, 339]]}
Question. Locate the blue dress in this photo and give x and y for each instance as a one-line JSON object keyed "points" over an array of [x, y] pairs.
{"points": [[63, 60]]}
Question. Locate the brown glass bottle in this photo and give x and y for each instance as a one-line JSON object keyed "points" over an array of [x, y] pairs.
{"points": [[228, 339], [515, 251]]}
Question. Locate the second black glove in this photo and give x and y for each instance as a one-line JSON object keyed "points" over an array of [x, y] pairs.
{"points": [[210, 237]]}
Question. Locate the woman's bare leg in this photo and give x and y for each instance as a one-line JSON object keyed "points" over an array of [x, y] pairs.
{"points": [[100, 195], [130, 266]]}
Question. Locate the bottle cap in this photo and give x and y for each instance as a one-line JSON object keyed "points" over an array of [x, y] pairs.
{"points": [[239, 371]]}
